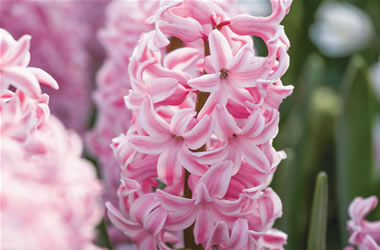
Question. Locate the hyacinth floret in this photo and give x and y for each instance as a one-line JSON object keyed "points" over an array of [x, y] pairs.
{"points": [[198, 157]]}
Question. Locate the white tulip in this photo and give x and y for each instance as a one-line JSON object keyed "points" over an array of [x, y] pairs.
{"points": [[340, 29]]}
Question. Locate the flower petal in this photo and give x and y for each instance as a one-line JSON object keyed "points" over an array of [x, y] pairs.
{"points": [[44, 77], [239, 235], [21, 78], [220, 50], [190, 164], [255, 124], [218, 235], [128, 227], [200, 133], [150, 121], [206, 82], [155, 221], [181, 120], [253, 155], [161, 88], [169, 169], [149, 144], [203, 225], [217, 179], [173, 202], [226, 125]]}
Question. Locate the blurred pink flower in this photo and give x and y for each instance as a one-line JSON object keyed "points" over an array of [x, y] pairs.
{"points": [[62, 39], [52, 195]]}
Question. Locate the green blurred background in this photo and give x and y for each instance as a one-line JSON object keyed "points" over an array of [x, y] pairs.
{"points": [[328, 123]]}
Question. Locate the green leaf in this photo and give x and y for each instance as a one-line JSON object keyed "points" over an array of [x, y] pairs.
{"points": [[318, 223], [355, 172]]}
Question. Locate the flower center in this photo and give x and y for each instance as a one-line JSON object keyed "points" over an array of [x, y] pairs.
{"points": [[178, 138], [223, 73]]}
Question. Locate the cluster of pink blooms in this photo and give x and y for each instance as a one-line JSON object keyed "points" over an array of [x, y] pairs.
{"points": [[364, 234], [52, 196], [119, 39], [64, 44], [198, 155]]}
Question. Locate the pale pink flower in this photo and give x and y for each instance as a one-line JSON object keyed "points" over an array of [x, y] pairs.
{"points": [[364, 234], [61, 37], [52, 195]]}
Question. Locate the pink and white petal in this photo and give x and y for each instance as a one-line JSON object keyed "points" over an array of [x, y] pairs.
{"points": [[161, 88], [243, 57], [181, 58], [228, 208], [128, 227], [169, 169], [19, 52], [220, 50], [239, 235], [174, 203], [21, 78], [177, 97], [143, 206], [201, 195], [155, 221], [189, 162], [254, 156], [206, 83], [180, 220], [226, 125], [44, 77], [200, 133], [214, 156], [149, 144], [218, 235], [150, 121], [203, 225], [270, 130], [255, 124], [217, 179], [180, 121], [360, 207]]}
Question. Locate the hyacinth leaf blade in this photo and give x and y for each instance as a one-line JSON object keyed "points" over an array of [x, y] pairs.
{"points": [[354, 140], [318, 222]]}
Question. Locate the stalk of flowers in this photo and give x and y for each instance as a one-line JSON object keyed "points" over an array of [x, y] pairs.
{"points": [[198, 157], [119, 39], [364, 234], [60, 45], [52, 195]]}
